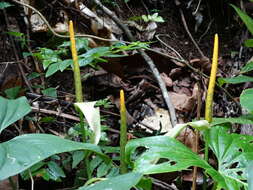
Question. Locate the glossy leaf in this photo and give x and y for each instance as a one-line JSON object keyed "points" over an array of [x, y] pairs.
{"points": [[50, 92], [235, 80], [12, 93], [233, 152], [246, 98], [248, 67], [12, 110], [173, 154], [248, 21], [22, 152], [248, 43], [244, 119], [121, 182], [250, 174], [162, 154]]}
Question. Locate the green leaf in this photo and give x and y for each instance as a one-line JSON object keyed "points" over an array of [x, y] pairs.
{"points": [[235, 80], [248, 67], [26, 150], [53, 68], [47, 119], [33, 75], [244, 119], [81, 44], [78, 156], [65, 64], [121, 182], [4, 5], [12, 110], [34, 169], [248, 21], [50, 92], [163, 154], [248, 43], [246, 98], [55, 171], [103, 169], [250, 174], [12, 93], [233, 152], [145, 183]]}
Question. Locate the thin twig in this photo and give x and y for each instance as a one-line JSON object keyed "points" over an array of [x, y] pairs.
{"points": [[148, 60], [16, 55], [189, 33], [51, 112]]}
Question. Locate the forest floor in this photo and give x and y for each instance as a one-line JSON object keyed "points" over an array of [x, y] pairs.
{"points": [[147, 111]]}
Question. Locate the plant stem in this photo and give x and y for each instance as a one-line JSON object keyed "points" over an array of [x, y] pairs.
{"points": [[77, 75], [210, 92], [79, 93], [195, 169], [123, 133]]}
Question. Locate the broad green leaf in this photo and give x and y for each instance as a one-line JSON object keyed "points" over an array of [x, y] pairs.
{"points": [[81, 44], [33, 75], [121, 182], [12, 110], [248, 67], [103, 169], [92, 116], [145, 183], [4, 5], [248, 43], [83, 61], [248, 21], [12, 93], [163, 154], [250, 174], [235, 80], [96, 52], [244, 119], [246, 99], [65, 64], [233, 152], [55, 171], [77, 157], [50, 92], [53, 68], [34, 169], [26, 150]]}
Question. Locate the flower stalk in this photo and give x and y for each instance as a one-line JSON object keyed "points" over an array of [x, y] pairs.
{"points": [[123, 133], [209, 97]]}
